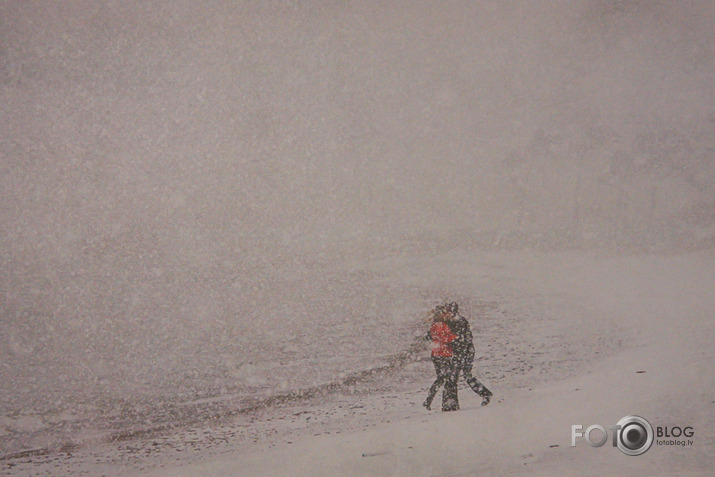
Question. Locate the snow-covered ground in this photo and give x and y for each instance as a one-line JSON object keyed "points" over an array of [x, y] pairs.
{"points": [[562, 339]]}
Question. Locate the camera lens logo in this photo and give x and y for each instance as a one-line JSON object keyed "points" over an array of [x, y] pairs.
{"points": [[634, 435]]}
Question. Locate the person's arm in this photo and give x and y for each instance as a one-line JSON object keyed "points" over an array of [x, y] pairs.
{"points": [[468, 332]]}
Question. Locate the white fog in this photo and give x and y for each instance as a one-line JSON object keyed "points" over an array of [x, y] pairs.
{"points": [[209, 208]]}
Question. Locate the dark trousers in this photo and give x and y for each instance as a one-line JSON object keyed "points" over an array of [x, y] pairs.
{"points": [[444, 367], [463, 362]]}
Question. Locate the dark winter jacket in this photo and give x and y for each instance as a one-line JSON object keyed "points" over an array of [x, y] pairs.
{"points": [[460, 327]]}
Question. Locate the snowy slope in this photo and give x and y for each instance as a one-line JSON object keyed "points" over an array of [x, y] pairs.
{"points": [[627, 312], [666, 375]]}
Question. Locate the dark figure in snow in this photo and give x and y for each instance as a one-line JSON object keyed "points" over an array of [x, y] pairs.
{"points": [[441, 337], [463, 351]]}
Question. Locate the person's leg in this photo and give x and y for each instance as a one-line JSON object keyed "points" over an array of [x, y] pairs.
{"points": [[450, 398], [439, 366], [477, 387], [467, 363], [480, 389], [433, 391]]}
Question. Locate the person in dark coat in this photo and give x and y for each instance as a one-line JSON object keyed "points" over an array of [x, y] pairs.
{"points": [[442, 357], [463, 352]]}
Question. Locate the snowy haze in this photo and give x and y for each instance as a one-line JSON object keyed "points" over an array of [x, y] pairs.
{"points": [[194, 193]]}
